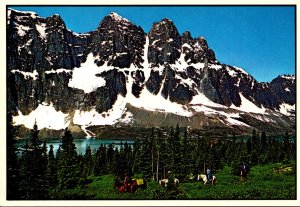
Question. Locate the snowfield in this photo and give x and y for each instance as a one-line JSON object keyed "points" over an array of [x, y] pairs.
{"points": [[45, 116], [85, 78]]}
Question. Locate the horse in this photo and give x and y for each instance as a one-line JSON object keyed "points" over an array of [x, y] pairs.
{"points": [[120, 185], [164, 182], [244, 170], [125, 186], [204, 179], [131, 186]]}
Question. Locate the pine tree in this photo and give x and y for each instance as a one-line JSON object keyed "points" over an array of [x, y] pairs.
{"points": [[13, 176], [263, 140], [68, 170], [52, 169], [177, 155], [34, 168], [185, 166], [136, 157], [111, 159], [100, 161], [88, 162], [287, 142], [145, 159], [169, 159]]}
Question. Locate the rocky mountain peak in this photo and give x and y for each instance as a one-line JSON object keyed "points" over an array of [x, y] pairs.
{"points": [[56, 21], [186, 37], [118, 18], [118, 42], [166, 27], [287, 76], [114, 21], [164, 43]]}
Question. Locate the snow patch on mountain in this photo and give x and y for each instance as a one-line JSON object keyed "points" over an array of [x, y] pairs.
{"points": [[85, 78], [153, 102], [57, 71], [290, 77], [118, 18], [33, 75], [230, 119], [241, 70], [30, 13], [248, 106], [146, 70], [41, 28], [92, 117], [200, 98], [181, 65], [286, 108], [22, 30], [45, 116], [25, 46], [263, 118]]}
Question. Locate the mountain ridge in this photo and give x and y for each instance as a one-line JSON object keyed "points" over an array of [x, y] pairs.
{"points": [[118, 63]]}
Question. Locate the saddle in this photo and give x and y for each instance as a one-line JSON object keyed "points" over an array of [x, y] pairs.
{"points": [[140, 181]]}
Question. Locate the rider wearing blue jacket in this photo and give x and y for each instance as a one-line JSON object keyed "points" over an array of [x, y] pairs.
{"points": [[209, 174]]}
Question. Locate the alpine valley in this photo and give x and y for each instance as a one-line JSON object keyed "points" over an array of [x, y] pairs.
{"points": [[118, 78]]}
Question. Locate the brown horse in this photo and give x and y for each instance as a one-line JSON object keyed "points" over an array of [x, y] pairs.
{"points": [[127, 186]]}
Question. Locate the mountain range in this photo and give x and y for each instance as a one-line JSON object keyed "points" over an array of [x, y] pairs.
{"points": [[120, 76]]}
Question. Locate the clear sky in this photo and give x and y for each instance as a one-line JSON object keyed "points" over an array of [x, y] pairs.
{"points": [[260, 39]]}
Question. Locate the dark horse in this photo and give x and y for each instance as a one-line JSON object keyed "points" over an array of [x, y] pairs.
{"points": [[244, 170]]}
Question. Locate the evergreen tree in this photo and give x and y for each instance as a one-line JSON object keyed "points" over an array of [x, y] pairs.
{"points": [[121, 163], [286, 142], [52, 169], [177, 152], [185, 166], [145, 159], [136, 157], [100, 161], [88, 162], [34, 168], [263, 140], [13, 176], [111, 159], [169, 159], [68, 171]]}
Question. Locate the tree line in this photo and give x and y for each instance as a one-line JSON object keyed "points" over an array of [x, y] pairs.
{"points": [[39, 174]]}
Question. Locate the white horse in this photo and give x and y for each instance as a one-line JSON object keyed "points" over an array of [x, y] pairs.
{"points": [[164, 182], [204, 179]]}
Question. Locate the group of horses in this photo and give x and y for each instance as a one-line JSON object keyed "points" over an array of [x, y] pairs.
{"points": [[134, 184], [200, 177], [130, 186]]}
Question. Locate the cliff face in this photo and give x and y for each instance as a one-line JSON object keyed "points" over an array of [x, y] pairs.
{"points": [[103, 72]]}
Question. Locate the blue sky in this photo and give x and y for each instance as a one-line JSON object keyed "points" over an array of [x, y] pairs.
{"points": [[260, 39]]}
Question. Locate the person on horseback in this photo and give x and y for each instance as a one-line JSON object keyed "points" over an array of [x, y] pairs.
{"points": [[209, 175], [244, 171], [127, 181]]}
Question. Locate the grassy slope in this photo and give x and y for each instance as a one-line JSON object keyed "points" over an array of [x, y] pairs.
{"points": [[263, 183]]}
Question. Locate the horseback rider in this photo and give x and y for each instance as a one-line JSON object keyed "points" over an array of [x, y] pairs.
{"points": [[127, 181], [209, 174], [244, 170], [245, 167]]}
